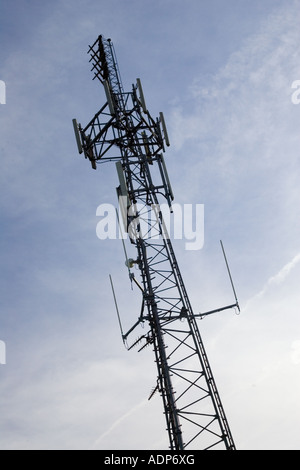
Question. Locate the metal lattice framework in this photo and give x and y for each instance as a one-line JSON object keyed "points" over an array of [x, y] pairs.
{"points": [[124, 131]]}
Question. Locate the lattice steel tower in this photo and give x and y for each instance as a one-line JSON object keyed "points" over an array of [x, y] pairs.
{"points": [[124, 131]]}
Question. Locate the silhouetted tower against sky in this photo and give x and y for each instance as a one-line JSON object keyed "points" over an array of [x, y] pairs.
{"points": [[124, 132]]}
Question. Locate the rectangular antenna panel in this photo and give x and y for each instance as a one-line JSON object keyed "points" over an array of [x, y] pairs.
{"points": [[109, 98], [123, 196], [77, 136], [164, 128], [167, 177], [142, 99], [123, 185]]}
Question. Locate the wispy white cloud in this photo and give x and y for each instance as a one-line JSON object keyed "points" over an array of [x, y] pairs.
{"points": [[99, 442], [295, 352], [246, 100], [239, 133], [277, 279]]}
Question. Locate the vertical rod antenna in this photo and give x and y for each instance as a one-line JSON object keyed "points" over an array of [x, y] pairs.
{"points": [[230, 277], [117, 308]]}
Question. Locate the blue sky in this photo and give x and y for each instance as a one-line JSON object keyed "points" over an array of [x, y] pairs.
{"points": [[222, 73]]}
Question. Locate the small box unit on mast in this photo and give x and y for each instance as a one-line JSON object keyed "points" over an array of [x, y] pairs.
{"points": [[123, 131]]}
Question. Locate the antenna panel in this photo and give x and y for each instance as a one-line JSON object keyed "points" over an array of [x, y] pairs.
{"points": [[164, 128], [123, 185], [142, 99], [109, 98], [167, 177], [77, 136], [123, 196]]}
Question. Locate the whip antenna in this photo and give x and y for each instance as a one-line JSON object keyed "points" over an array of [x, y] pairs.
{"points": [[230, 277], [117, 308]]}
